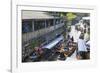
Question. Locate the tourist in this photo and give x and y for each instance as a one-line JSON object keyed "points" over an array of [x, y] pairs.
{"points": [[82, 50]]}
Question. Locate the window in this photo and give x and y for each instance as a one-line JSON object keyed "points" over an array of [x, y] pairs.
{"points": [[47, 23], [26, 26], [51, 22], [39, 24], [57, 21]]}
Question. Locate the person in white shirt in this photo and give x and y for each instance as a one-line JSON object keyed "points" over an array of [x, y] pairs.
{"points": [[82, 50], [86, 36]]}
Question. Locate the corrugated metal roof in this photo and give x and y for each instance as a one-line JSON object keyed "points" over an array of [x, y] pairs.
{"points": [[35, 15]]}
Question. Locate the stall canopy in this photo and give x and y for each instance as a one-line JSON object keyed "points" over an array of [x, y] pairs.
{"points": [[53, 43], [86, 18]]}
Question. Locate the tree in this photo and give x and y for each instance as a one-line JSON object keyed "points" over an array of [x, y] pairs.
{"points": [[67, 17]]}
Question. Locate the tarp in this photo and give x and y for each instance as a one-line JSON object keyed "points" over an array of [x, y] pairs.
{"points": [[53, 43]]}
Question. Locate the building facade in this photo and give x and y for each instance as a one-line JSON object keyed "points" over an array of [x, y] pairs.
{"points": [[39, 28]]}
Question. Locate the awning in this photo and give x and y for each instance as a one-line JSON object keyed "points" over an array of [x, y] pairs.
{"points": [[36, 15], [53, 43], [86, 18]]}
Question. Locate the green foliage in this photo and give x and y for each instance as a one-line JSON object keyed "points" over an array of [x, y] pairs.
{"points": [[70, 16], [34, 43]]}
